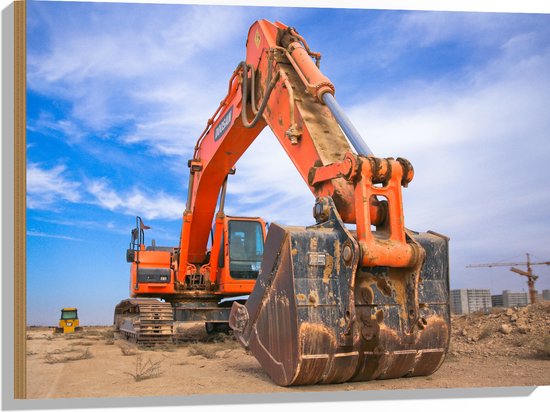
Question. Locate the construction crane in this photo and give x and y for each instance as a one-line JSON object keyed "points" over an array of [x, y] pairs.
{"points": [[531, 277]]}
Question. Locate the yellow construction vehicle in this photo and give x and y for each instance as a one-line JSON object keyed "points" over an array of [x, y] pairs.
{"points": [[69, 321]]}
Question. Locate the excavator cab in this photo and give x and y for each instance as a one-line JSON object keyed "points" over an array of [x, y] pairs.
{"points": [[236, 254], [238, 263], [246, 247]]}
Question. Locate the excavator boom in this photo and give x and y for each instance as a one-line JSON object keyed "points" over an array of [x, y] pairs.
{"points": [[307, 132], [292, 91]]}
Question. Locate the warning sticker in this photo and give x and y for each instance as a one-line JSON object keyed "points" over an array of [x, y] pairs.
{"points": [[317, 259]]}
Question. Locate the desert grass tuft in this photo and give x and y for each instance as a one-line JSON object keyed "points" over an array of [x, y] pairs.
{"points": [[128, 350], [145, 369], [208, 351], [542, 348], [51, 357]]}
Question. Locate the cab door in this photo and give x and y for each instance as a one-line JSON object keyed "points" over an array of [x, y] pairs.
{"points": [[244, 248]]}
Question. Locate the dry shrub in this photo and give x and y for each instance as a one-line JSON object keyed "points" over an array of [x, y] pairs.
{"points": [[488, 331], [232, 344], [75, 336], [84, 355], [108, 334], [145, 370], [128, 350], [51, 358], [521, 341], [92, 332], [81, 344], [205, 350], [63, 350], [542, 348], [219, 337], [163, 347], [451, 357], [110, 341]]}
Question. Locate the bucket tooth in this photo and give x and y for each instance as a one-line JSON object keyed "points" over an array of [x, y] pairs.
{"points": [[315, 317]]}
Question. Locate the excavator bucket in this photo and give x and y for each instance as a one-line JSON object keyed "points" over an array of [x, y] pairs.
{"points": [[314, 316]]}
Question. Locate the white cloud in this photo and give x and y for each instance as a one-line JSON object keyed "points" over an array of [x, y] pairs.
{"points": [[161, 38], [83, 224], [104, 196], [147, 71], [135, 202], [428, 28], [51, 189], [479, 145], [506, 98], [65, 129], [42, 234], [268, 185], [46, 187]]}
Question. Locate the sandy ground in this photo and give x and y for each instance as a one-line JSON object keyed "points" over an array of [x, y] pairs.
{"points": [[93, 364]]}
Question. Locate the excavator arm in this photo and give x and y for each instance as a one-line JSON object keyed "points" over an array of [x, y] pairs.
{"points": [[302, 125], [279, 85]]}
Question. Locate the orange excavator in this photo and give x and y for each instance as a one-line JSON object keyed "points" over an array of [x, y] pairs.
{"points": [[355, 296]]}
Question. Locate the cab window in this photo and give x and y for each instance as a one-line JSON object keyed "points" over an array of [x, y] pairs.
{"points": [[246, 249], [69, 314]]}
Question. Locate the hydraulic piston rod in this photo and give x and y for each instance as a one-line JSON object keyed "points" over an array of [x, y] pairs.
{"points": [[347, 127]]}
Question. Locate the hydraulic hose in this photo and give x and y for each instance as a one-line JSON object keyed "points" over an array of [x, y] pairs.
{"points": [[271, 84]]}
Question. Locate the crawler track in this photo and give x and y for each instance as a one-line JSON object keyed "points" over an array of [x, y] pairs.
{"points": [[145, 321]]}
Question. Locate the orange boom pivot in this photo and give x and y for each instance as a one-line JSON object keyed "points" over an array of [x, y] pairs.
{"points": [[330, 303]]}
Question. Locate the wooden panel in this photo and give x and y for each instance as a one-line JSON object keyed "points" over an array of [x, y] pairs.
{"points": [[20, 369]]}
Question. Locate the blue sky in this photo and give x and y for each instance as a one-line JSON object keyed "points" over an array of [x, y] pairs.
{"points": [[117, 95]]}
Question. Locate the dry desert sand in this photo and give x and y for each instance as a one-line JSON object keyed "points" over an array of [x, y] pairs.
{"points": [[509, 347]]}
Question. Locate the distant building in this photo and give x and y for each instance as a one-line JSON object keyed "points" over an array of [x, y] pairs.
{"points": [[464, 301], [496, 300], [514, 299], [510, 299]]}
